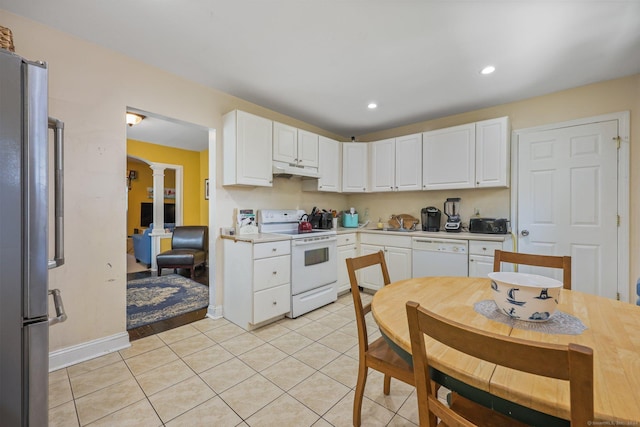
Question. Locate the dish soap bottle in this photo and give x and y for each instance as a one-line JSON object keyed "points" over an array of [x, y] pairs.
{"points": [[380, 224]]}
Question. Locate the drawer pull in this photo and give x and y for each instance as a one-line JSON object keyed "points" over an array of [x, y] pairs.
{"points": [[275, 272], [275, 303], [484, 249], [274, 249]]}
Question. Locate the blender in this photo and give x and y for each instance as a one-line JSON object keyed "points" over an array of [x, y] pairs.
{"points": [[452, 211]]}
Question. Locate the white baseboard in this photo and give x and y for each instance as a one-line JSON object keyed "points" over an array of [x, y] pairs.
{"points": [[215, 312], [89, 350]]}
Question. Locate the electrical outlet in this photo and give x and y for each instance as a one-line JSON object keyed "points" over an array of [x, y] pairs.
{"points": [[366, 212], [476, 211]]}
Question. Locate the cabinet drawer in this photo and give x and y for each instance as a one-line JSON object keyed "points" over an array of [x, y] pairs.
{"points": [[263, 250], [346, 239], [271, 303], [480, 247], [385, 240], [270, 272]]}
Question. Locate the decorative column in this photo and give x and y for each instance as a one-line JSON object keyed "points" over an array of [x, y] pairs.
{"points": [[158, 213]]}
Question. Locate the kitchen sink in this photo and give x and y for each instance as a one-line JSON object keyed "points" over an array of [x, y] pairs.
{"points": [[401, 230]]}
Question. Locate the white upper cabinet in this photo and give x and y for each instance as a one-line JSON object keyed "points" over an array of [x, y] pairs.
{"points": [[492, 153], [294, 146], [329, 165], [408, 162], [247, 149], [396, 164], [449, 158], [354, 167], [382, 163], [285, 143], [307, 149]]}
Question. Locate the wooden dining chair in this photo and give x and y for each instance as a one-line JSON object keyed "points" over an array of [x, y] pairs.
{"points": [[550, 261], [571, 362], [377, 355]]}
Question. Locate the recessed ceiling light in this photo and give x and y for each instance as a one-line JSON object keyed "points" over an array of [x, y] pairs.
{"points": [[488, 69], [372, 105]]}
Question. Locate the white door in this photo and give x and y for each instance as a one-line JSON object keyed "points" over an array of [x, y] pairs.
{"points": [[567, 201]]}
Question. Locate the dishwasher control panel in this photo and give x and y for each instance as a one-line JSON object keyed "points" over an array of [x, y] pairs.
{"points": [[440, 245]]}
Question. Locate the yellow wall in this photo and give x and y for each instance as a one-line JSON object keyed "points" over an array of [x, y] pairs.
{"points": [[138, 192], [193, 197]]}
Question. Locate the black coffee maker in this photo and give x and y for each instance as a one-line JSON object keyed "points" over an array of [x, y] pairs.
{"points": [[430, 218]]}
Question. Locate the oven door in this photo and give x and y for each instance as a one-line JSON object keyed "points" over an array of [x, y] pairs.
{"points": [[313, 263]]}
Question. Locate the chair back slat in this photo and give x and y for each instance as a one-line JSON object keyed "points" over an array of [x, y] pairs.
{"points": [[549, 261]]}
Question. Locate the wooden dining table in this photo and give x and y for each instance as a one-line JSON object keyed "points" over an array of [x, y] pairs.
{"points": [[612, 331]]}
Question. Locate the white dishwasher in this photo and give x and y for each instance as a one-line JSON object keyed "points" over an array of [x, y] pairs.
{"points": [[440, 257]]}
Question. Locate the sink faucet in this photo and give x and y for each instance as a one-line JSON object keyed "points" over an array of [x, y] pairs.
{"points": [[401, 222]]}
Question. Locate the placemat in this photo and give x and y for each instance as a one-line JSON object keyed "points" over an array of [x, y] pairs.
{"points": [[559, 323]]}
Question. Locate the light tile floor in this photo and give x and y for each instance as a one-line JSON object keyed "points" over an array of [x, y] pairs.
{"points": [[295, 372]]}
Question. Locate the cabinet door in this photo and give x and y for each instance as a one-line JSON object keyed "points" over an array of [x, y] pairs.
{"points": [[408, 167], [271, 302], [285, 143], [480, 266], [254, 150], [370, 277], [329, 165], [398, 262], [382, 161], [492, 153], [354, 167], [448, 158], [344, 252], [307, 148]]}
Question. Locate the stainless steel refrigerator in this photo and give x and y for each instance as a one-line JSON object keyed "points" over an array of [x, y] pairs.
{"points": [[27, 137]]}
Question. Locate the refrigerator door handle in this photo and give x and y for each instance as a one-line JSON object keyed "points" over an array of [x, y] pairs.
{"points": [[58, 132], [61, 315]]}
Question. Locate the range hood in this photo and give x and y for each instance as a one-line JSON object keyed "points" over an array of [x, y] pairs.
{"points": [[288, 170]]}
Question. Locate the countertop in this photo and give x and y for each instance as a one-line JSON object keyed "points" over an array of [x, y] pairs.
{"points": [[256, 238], [268, 237], [431, 234]]}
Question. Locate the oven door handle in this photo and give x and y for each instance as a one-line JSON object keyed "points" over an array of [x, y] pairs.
{"points": [[301, 242]]}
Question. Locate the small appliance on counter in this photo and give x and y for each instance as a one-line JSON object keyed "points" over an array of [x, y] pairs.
{"points": [[430, 218], [350, 219], [452, 211], [488, 225], [321, 220]]}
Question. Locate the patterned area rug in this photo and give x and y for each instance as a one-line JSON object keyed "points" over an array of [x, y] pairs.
{"points": [[157, 298]]}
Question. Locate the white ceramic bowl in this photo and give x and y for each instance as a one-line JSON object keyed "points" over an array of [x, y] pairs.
{"points": [[525, 296]]}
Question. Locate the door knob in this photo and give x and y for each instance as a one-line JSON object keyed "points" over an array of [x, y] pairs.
{"points": [[524, 233]]}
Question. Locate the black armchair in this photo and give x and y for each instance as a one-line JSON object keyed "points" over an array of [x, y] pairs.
{"points": [[189, 247]]}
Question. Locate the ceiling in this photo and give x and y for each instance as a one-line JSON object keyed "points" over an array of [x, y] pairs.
{"points": [[323, 61]]}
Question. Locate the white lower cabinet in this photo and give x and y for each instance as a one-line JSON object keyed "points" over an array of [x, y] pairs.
{"points": [[481, 257], [346, 249], [397, 255], [257, 281]]}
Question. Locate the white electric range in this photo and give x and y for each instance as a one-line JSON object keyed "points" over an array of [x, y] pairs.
{"points": [[314, 270]]}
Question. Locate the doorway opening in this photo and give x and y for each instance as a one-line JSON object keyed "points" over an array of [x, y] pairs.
{"points": [[167, 166]]}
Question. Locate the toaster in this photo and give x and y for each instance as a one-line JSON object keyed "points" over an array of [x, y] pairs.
{"points": [[488, 225]]}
